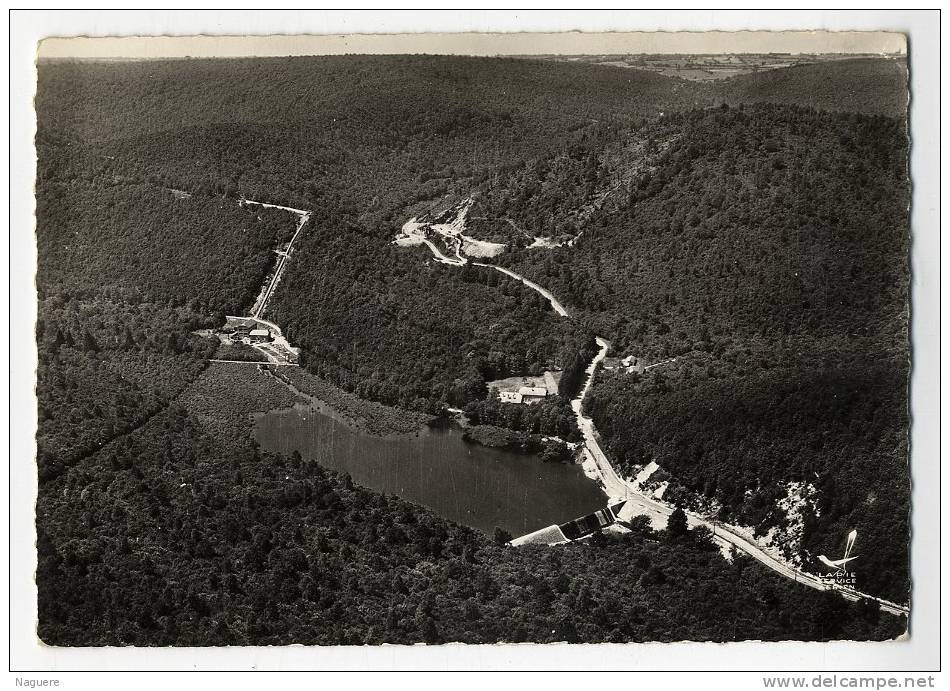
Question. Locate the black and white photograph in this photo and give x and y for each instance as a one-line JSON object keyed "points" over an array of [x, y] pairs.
{"points": [[537, 339]]}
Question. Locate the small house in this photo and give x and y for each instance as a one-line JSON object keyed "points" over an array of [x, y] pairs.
{"points": [[632, 364]]}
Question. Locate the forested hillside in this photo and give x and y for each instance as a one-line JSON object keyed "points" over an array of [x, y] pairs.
{"points": [[544, 144], [100, 232], [765, 250], [868, 85], [110, 101], [393, 327], [127, 270], [184, 533], [758, 222], [309, 133]]}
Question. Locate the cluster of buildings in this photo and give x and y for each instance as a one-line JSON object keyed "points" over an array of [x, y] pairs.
{"points": [[249, 336], [525, 390], [263, 336]]}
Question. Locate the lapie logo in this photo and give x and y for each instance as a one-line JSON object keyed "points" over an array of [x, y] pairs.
{"points": [[839, 575]]}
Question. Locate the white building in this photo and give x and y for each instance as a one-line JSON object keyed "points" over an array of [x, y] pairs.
{"points": [[532, 394], [632, 364], [259, 335]]}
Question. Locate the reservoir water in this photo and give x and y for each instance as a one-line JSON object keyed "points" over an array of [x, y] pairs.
{"points": [[468, 483]]}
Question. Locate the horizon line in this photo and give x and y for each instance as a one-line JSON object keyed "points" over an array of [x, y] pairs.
{"points": [[521, 44]]}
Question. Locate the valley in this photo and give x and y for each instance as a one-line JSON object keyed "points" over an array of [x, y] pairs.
{"points": [[275, 311]]}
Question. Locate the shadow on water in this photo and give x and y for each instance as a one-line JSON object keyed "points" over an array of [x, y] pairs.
{"points": [[471, 484]]}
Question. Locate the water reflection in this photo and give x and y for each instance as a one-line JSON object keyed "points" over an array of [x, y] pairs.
{"points": [[466, 483]]}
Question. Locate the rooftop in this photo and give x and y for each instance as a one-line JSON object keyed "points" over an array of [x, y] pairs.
{"points": [[533, 391]]}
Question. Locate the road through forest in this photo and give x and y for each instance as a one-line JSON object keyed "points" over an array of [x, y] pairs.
{"points": [[619, 489], [284, 256]]}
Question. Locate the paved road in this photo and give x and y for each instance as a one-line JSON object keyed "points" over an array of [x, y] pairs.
{"points": [[617, 489], [255, 362]]}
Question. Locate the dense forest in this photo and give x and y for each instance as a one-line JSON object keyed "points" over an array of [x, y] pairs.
{"points": [[185, 533], [742, 233], [127, 271], [104, 368], [426, 337], [864, 85], [138, 242]]}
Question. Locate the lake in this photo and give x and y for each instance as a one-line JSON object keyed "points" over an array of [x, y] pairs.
{"points": [[471, 484]]}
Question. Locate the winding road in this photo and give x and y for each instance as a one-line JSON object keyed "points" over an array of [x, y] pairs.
{"points": [[618, 489]]}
